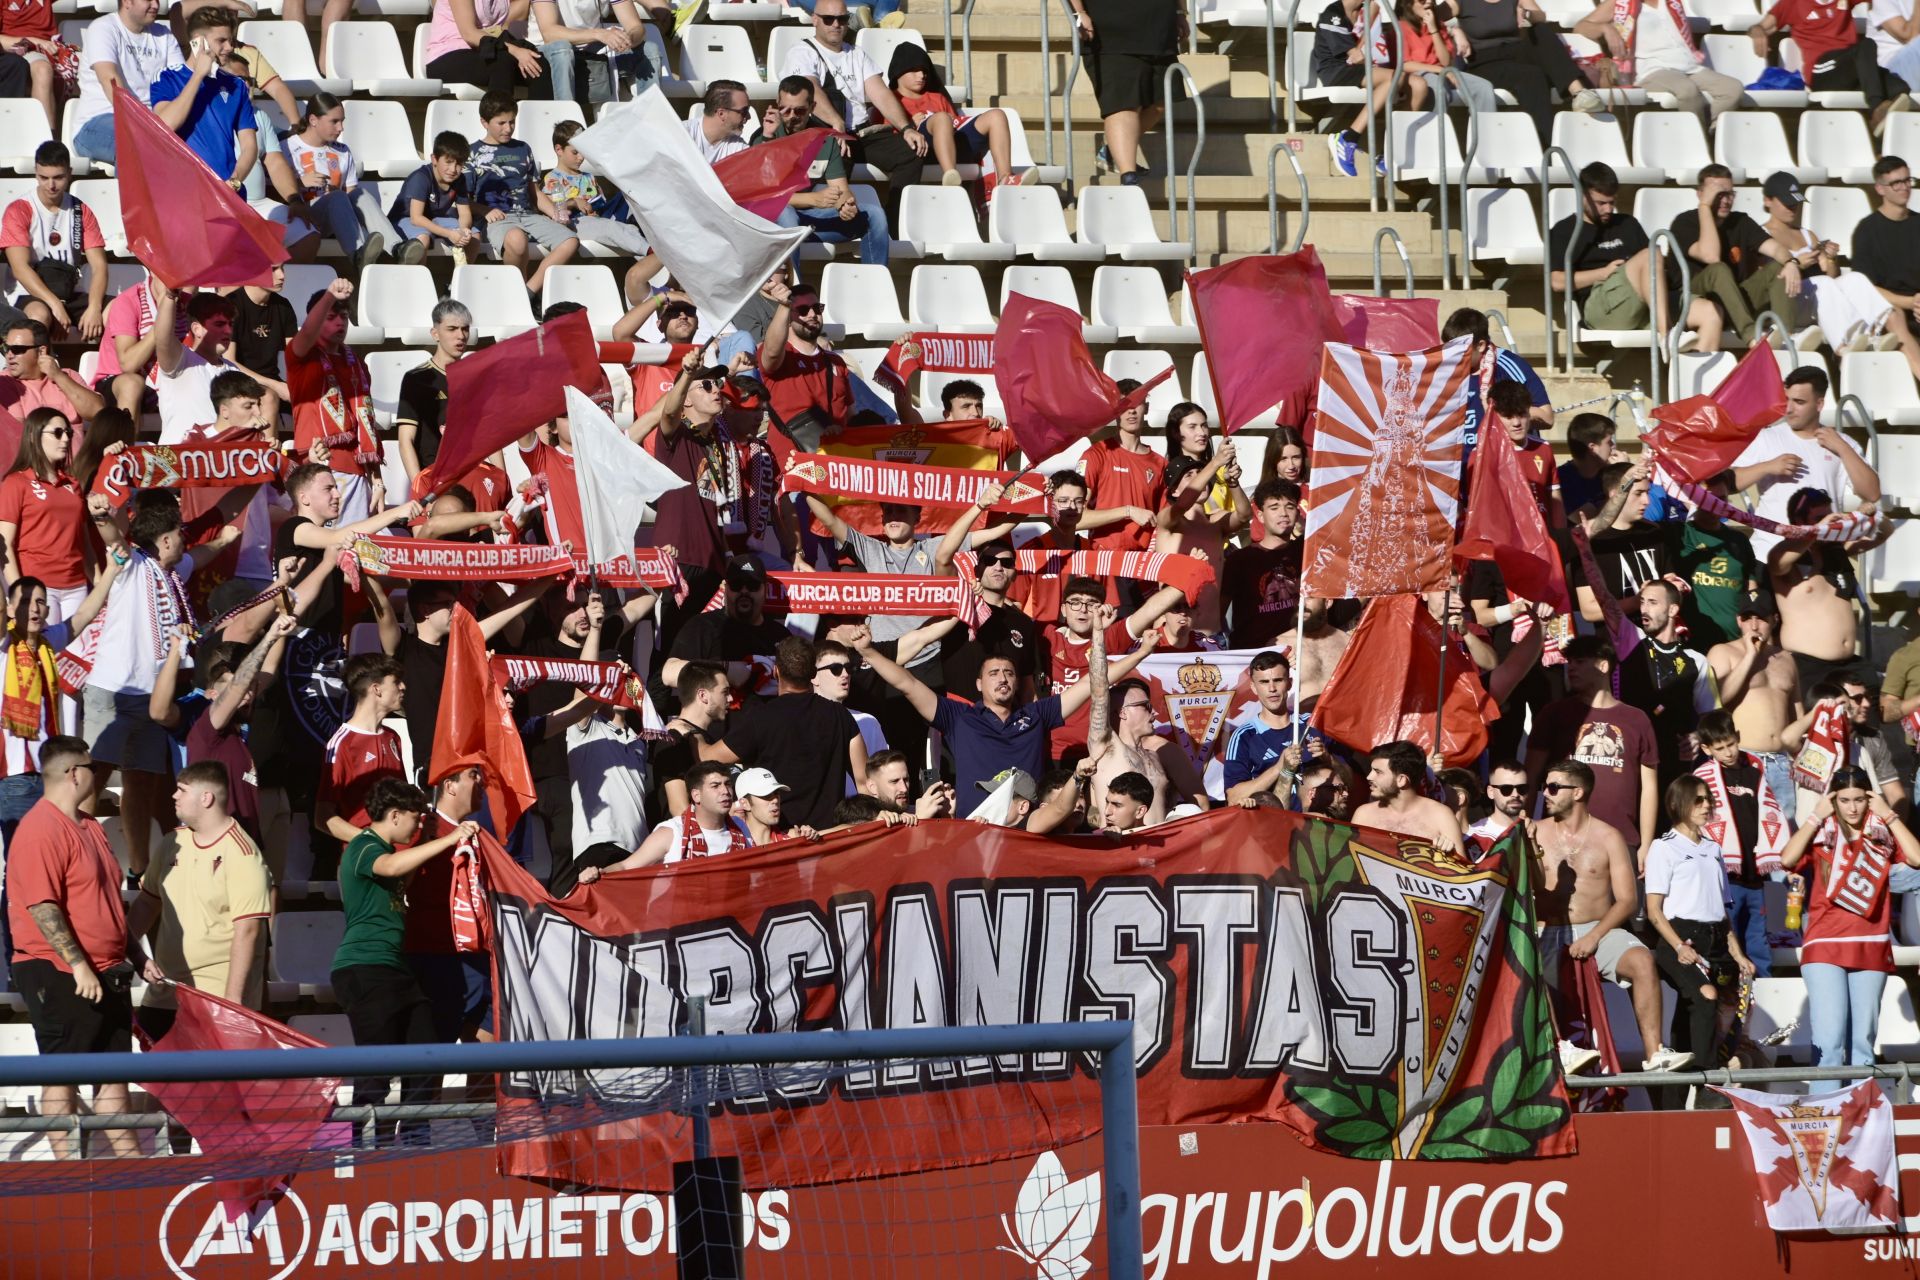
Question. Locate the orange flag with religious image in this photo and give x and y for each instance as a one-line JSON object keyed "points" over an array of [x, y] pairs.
{"points": [[1387, 443]]}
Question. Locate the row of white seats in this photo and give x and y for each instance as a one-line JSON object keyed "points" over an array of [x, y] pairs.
{"points": [[1708, 15]]}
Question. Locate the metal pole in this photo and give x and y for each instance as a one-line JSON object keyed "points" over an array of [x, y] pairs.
{"points": [[1120, 1140], [1286, 71], [1193, 157], [1300, 642], [1546, 271], [1046, 74], [1066, 94], [697, 1084], [1661, 242], [966, 43], [1466, 166], [1273, 75], [1440, 694], [1273, 198], [1375, 179], [1406, 263]]}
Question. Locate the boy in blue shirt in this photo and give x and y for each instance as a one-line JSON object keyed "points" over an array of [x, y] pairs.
{"points": [[436, 203], [506, 184], [211, 110]]}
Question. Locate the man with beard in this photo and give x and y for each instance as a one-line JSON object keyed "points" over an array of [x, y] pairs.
{"points": [[1394, 774], [704, 694], [1669, 681], [1613, 741], [1121, 739], [1508, 793], [1317, 648], [890, 781], [694, 444], [738, 635], [1760, 685], [1007, 630], [800, 373]]}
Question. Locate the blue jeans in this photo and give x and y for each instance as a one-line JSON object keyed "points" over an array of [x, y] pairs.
{"points": [[1904, 879], [1748, 912], [1778, 767], [562, 57], [1844, 1007], [351, 216], [869, 227], [94, 139], [17, 795]]}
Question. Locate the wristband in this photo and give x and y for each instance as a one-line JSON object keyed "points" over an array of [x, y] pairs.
{"points": [[1503, 614]]}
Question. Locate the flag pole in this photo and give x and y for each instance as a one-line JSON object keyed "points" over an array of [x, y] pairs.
{"points": [[1293, 659], [1440, 694]]}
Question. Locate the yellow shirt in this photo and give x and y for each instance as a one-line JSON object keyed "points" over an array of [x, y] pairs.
{"points": [[203, 890]]}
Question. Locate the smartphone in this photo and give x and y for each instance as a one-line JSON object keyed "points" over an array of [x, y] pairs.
{"points": [[929, 779]]}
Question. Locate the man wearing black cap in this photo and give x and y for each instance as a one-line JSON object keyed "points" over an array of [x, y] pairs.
{"points": [[1732, 260], [1759, 684], [1844, 303], [738, 635]]}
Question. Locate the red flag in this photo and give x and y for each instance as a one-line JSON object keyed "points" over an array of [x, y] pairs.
{"points": [[1262, 322], [1504, 525], [1699, 437], [1384, 687], [476, 727], [498, 395], [257, 1121], [1053, 391], [1388, 324], [11, 429], [762, 178], [182, 221]]}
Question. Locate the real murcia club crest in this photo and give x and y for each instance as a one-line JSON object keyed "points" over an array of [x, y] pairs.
{"points": [[1197, 706]]}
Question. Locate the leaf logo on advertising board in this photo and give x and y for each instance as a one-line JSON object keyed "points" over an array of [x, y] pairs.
{"points": [[1054, 1220]]}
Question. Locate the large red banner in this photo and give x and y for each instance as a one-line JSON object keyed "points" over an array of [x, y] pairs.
{"points": [[1377, 997]]}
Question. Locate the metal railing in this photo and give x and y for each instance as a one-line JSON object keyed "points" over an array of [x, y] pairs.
{"points": [[1547, 159], [1273, 72], [1193, 157], [1902, 1073], [1406, 263], [1496, 316], [1770, 320], [1287, 75], [1046, 80], [1851, 406], [1376, 179], [966, 41], [1273, 198], [1659, 340], [1442, 124]]}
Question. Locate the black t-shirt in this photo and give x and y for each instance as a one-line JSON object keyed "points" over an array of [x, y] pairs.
{"points": [[1888, 252], [423, 402], [328, 613], [1628, 558], [1007, 633], [1333, 39], [1660, 680], [668, 760], [261, 331], [1742, 779], [1595, 246], [1740, 241], [715, 637], [423, 667], [802, 738], [546, 757], [1262, 589]]}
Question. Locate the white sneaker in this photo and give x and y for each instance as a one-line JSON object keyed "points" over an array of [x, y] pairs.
{"points": [[1665, 1059], [1576, 1058], [1588, 102]]}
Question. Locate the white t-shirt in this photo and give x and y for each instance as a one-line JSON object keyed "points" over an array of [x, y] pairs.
{"points": [[140, 55], [714, 152], [1657, 45], [1691, 875], [579, 14], [324, 168], [1824, 470], [846, 71], [608, 766], [872, 735], [718, 842], [1886, 44], [186, 396]]}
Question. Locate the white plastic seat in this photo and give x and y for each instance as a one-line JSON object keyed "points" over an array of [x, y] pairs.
{"points": [[1699, 372], [1054, 284], [287, 48], [452, 88], [746, 11], [1309, 90], [860, 299], [102, 195], [535, 126], [719, 51], [445, 115], [1422, 141], [1726, 15], [1839, 141], [497, 296], [1757, 142], [1020, 153], [301, 958], [23, 127], [950, 299], [1142, 363], [1884, 384], [1734, 56], [1134, 301], [1897, 1038], [301, 280], [1895, 565], [332, 1029], [1672, 142], [1119, 220], [380, 136], [1833, 212], [1657, 207], [1031, 220], [397, 301], [381, 8], [939, 222], [69, 122], [368, 54], [1508, 150], [1589, 138], [594, 287], [932, 384], [385, 369], [1503, 226], [781, 41], [1902, 137]]}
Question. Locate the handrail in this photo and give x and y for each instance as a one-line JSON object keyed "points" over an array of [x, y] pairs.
{"points": [[1377, 159], [1547, 158], [1066, 91], [1496, 316], [1771, 319], [1866, 424], [1046, 72], [1193, 157], [1633, 400], [1657, 286], [946, 18], [966, 41], [1273, 198], [1273, 74], [1286, 71], [1466, 166], [1405, 261]]}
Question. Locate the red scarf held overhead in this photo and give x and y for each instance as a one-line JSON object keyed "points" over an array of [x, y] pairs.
{"points": [[865, 595], [871, 480], [1172, 570], [1862, 865], [613, 683], [1829, 742], [188, 466], [390, 557]]}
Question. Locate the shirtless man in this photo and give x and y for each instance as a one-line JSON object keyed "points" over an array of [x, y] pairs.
{"points": [[1760, 685], [1394, 772], [1815, 585], [1587, 891], [1120, 738], [1314, 650]]}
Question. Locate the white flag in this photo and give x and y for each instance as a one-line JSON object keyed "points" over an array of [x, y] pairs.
{"points": [[618, 480], [719, 253], [1824, 1161]]}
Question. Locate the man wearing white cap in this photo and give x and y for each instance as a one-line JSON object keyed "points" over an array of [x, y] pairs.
{"points": [[760, 796]]}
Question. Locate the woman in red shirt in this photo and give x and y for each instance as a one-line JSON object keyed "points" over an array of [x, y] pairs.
{"points": [[953, 141], [28, 28], [43, 517], [1847, 953]]}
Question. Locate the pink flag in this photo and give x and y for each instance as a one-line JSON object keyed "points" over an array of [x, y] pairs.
{"points": [[1053, 391], [1263, 321], [1388, 324], [761, 179], [262, 1122]]}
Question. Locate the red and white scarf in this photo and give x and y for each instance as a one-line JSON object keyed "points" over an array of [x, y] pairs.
{"points": [[1771, 837], [1862, 865], [1626, 16], [343, 407], [873, 480], [1829, 742], [693, 839], [390, 557], [1842, 526], [614, 683], [1167, 568], [188, 466], [147, 586], [656, 568]]}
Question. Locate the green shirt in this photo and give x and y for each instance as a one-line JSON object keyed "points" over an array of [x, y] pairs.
{"points": [[376, 906], [828, 166], [1719, 564]]}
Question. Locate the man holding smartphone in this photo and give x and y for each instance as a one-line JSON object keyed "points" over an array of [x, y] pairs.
{"points": [[210, 110]]}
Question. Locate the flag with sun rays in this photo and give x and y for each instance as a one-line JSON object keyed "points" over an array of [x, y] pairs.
{"points": [[1388, 435]]}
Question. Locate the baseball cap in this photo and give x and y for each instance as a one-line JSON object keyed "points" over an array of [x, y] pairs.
{"points": [[1757, 604], [746, 573], [1023, 784], [1785, 188], [758, 782]]}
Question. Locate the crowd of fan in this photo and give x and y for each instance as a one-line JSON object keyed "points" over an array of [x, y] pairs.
{"points": [[1656, 775]]}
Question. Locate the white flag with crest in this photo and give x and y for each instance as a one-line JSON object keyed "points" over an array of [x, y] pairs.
{"points": [[619, 481]]}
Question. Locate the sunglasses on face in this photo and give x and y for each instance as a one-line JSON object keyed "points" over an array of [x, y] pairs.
{"points": [[744, 584], [807, 308], [1510, 788], [58, 433], [831, 19], [1555, 788], [21, 349], [1136, 706], [707, 384], [998, 562], [832, 668]]}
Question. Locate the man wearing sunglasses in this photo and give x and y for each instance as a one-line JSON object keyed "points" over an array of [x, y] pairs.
{"points": [[1865, 747], [851, 94], [35, 380], [831, 208], [1508, 791], [738, 635], [802, 375], [719, 130]]}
